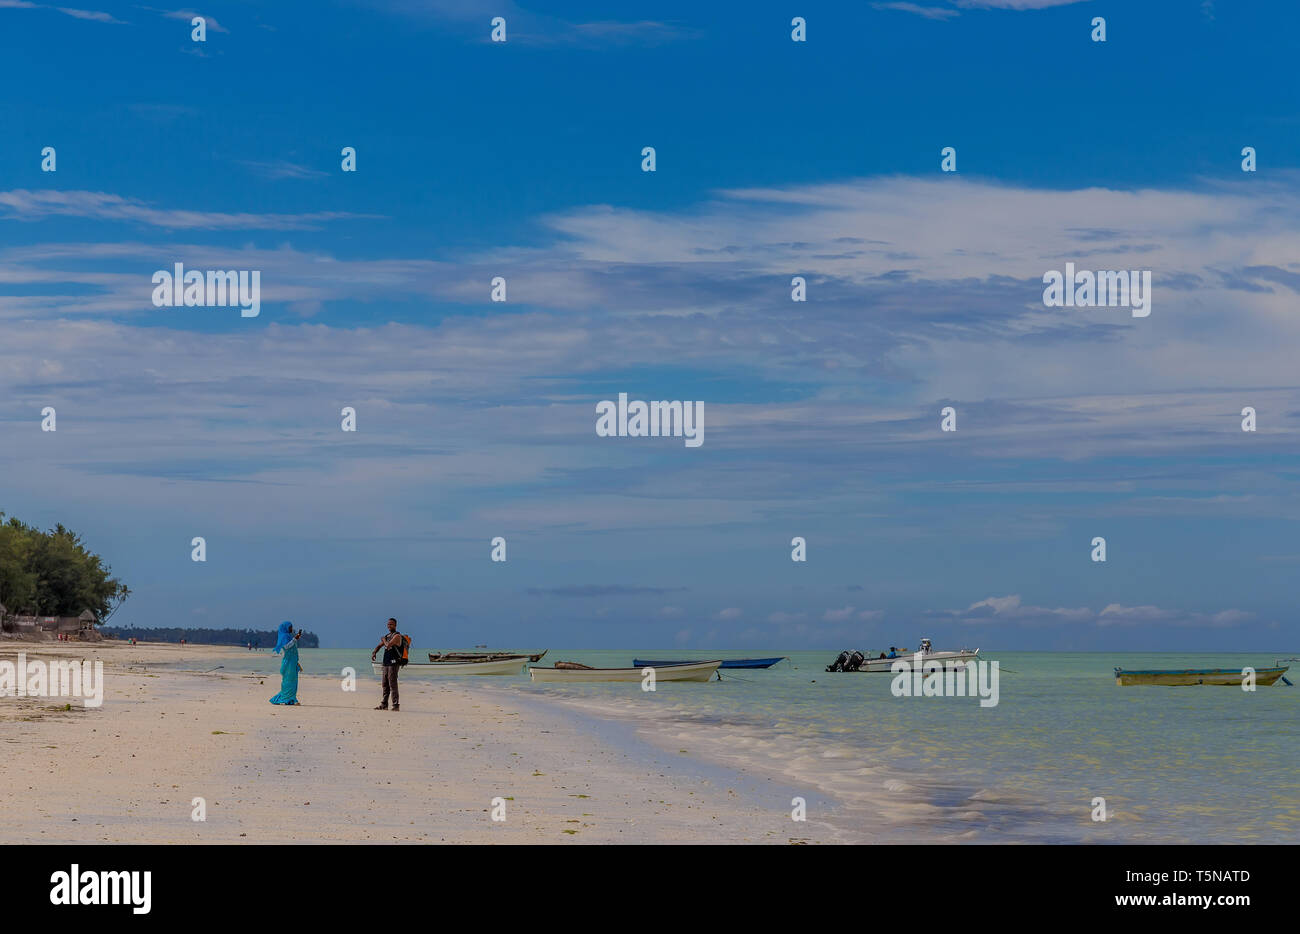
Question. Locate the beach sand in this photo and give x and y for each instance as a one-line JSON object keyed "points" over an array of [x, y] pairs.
{"points": [[334, 770]]}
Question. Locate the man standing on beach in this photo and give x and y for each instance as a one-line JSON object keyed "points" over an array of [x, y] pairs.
{"points": [[391, 643]]}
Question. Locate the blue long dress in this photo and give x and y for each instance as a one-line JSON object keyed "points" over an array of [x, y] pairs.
{"points": [[288, 673]]}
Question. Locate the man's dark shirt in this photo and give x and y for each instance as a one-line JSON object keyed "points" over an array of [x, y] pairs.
{"points": [[392, 654]]}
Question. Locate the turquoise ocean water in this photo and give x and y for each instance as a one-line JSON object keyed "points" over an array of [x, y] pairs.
{"points": [[1174, 764]]}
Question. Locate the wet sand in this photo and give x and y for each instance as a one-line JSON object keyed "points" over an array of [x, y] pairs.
{"points": [[335, 770]]}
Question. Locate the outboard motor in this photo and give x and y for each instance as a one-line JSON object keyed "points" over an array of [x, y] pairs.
{"points": [[847, 661], [838, 664]]}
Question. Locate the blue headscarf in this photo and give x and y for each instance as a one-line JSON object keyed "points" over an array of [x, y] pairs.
{"points": [[284, 636]]}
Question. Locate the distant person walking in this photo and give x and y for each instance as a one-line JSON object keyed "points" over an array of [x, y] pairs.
{"points": [[391, 643], [287, 640]]}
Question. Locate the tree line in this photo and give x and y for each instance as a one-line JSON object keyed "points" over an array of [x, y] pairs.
{"points": [[54, 574], [260, 638]]}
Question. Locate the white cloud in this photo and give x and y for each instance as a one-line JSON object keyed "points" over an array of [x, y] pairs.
{"points": [[1115, 613], [529, 28], [21, 204], [1011, 609], [1014, 4], [92, 15], [999, 605], [167, 398], [188, 16], [281, 168], [929, 12], [1118, 615]]}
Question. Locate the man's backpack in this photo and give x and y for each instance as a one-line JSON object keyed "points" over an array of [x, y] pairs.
{"points": [[406, 650]]}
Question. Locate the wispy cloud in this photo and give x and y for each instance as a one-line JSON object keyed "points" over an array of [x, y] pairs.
{"points": [[1010, 609], [491, 403], [600, 590], [527, 27], [92, 15], [282, 169], [188, 16], [1014, 4], [643, 32], [21, 204], [929, 12]]}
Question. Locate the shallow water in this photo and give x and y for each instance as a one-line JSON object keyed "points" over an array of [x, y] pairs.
{"points": [[1174, 764]]}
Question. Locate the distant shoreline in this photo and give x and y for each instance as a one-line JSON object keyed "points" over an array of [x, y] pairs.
{"points": [[232, 638]]}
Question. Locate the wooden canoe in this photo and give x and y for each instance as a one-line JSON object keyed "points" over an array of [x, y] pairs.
{"points": [[439, 657], [726, 662], [691, 671], [1185, 676], [487, 666]]}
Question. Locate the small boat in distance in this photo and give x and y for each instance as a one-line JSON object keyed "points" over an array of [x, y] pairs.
{"points": [[484, 656], [726, 662], [572, 672], [1185, 676], [856, 661], [483, 666]]}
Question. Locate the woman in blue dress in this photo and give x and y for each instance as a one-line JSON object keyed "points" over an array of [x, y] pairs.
{"points": [[287, 640]]}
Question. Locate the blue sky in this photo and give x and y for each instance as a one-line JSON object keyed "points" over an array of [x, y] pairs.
{"points": [[775, 159]]}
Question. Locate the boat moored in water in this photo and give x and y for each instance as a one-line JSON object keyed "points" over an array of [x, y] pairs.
{"points": [[485, 666], [1185, 676], [856, 661], [441, 657], [726, 662], [572, 672]]}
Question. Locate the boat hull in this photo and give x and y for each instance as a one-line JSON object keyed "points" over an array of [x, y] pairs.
{"points": [[884, 665], [441, 658], [726, 662], [501, 666], [693, 671], [1189, 676]]}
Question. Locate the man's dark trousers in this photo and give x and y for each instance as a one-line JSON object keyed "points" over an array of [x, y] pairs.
{"points": [[390, 685]]}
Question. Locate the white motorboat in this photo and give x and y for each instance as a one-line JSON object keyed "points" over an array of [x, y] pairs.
{"points": [[940, 658], [855, 661]]}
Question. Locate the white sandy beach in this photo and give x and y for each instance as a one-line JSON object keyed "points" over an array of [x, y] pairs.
{"points": [[335, 770]]}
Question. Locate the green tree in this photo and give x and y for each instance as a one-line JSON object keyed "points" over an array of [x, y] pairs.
{"points": [[17, 581], [53, 574]]}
